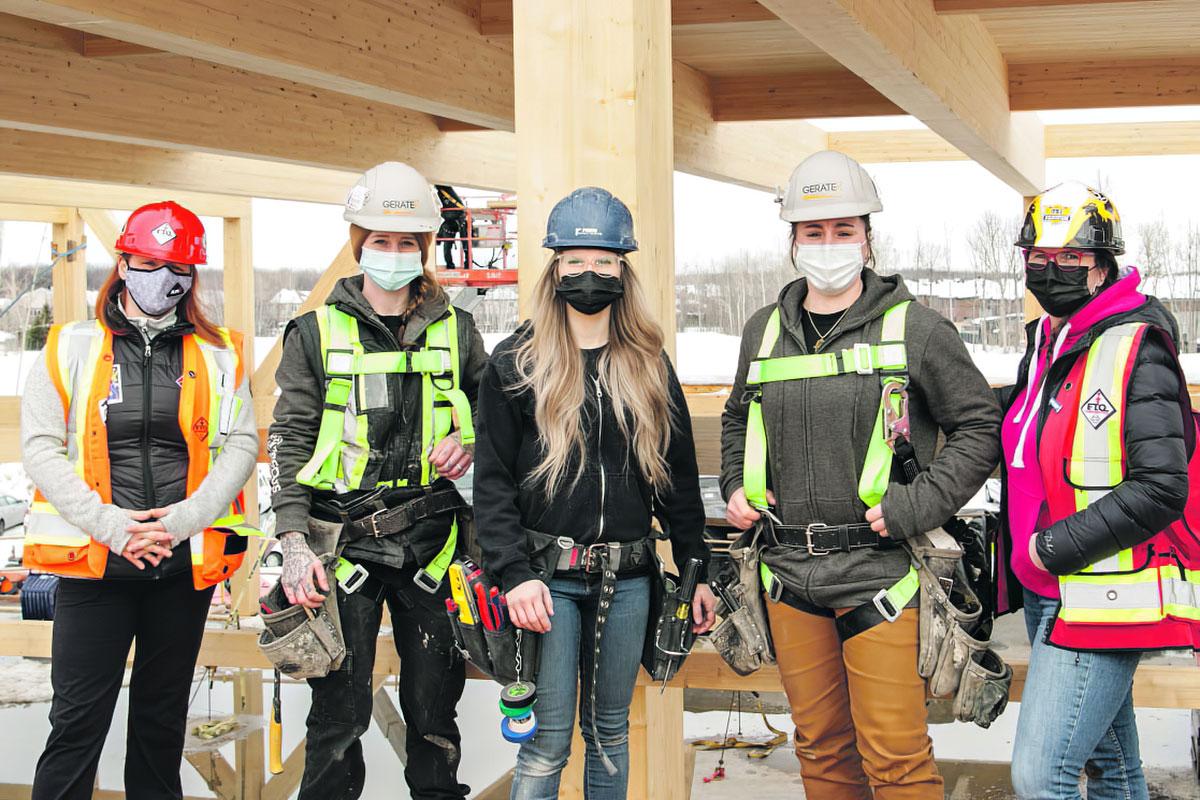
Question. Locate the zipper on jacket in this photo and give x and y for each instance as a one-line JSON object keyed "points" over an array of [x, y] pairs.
{"points": [[600, 452], [147, 412]]}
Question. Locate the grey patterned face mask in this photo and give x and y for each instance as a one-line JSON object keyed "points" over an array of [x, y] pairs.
{"points": [[156, 291]]}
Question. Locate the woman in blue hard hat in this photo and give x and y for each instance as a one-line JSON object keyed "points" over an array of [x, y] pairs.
{"points": [[584, 438]]}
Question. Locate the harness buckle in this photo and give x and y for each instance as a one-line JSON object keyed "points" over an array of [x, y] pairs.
{"points": [[888, 611], [425, 582], [354, 581], [808, 541], [862, 359]]}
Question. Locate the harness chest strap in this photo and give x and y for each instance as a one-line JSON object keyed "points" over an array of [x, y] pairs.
{"points": [[889, 358]]}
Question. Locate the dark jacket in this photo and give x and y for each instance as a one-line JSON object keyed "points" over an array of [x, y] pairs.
{"points": [[394, 427], [610, 502], [818, 432], [147, 454], [1155, 488]]}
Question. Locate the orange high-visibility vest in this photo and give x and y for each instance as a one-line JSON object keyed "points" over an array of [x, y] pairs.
{"points": [[79, 357]]}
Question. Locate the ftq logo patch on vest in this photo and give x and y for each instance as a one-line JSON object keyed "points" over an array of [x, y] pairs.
{"points": [[1097, 409]]}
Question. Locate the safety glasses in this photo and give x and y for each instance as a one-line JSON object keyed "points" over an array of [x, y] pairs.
{"points": [[1066, 260], [603, 266]]}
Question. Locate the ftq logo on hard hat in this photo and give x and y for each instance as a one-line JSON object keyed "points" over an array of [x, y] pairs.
{"points": [[163, 234], [1097, 409], [815, 191], [587, 231]]}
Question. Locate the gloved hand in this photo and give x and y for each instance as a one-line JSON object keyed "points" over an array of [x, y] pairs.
{"points": [[302, 571]]}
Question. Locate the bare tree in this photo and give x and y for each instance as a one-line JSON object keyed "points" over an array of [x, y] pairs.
{"points": [[997, 263]]}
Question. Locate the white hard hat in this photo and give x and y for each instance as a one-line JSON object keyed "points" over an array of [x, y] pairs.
{"points": [[393, 197], [829, 185]]}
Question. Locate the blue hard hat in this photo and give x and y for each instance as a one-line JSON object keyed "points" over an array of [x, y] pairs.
{"points": [[590, 217]]}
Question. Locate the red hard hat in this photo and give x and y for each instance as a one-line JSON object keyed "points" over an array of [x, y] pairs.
{"points": [[166, 232]]}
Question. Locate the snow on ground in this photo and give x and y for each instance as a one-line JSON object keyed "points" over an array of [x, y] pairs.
{"points": [[24, 680]]}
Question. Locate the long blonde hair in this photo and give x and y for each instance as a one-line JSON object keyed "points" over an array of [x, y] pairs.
{"points": [[632, 371]]}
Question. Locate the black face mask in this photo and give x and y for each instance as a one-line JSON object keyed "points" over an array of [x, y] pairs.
{"points": [[589, 293], [1059, 293]]}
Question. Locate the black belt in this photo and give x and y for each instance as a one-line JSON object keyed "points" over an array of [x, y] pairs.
{"points": [[821, 540], [564, 554], [374, 517]]}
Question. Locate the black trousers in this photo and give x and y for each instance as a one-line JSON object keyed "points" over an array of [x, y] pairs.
{"points": [[95, 622], [431, 683]]}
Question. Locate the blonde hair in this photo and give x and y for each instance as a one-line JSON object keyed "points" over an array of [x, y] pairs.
{"points": [[632, 371]]}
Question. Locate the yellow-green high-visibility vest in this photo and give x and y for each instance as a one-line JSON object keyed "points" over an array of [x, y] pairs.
{"points": [[355, 378]]}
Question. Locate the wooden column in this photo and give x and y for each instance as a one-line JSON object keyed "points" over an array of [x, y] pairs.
{"points": [[239, 315], [248, 751], [594, 107], [69, 276]]}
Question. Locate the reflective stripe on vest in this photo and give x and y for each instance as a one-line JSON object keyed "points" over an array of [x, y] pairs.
{"points": [[889, 358], [356, 381], [79, 358]]}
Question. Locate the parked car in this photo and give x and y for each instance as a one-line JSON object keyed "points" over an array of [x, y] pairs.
{"points": [[12, 512]]}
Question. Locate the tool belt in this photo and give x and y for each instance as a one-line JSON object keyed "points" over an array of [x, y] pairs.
{"points": [[561, 554], [383, 512], [821, 540], [303, 642]]}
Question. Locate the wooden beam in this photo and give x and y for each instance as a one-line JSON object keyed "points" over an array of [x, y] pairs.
{"points": [[808, 95], [218, 775], [496, 16], [1156, 685], [94, 46], [1123, 139], [605, 122], [977, 6], [945, 71], [19, 212], [417, 55], [104, 227], [249, 750], [69, 275], [259, 116], [759, 155], [49, 155], [1100, 140], [52, 192], [283, 785], [390, 723], [1104, 84]]}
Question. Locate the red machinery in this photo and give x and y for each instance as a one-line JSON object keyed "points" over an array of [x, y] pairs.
{"points": [[489, 247]]}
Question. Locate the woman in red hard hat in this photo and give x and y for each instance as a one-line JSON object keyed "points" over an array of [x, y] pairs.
{"points": [[138, 431]]}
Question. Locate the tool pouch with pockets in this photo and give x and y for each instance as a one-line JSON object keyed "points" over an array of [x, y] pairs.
{"points": [[303, 642], [739, 641], [743, 638], [954, 655]]}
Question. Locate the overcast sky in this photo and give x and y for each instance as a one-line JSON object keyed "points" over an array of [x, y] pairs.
{"points": [[937, 201]]}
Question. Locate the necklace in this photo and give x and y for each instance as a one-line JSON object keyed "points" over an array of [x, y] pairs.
{"points": [[821, 337]]}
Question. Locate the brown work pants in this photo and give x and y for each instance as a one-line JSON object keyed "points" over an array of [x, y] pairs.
{"points": [[859, 708]]}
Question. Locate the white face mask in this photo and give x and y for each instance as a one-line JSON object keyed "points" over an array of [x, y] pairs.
{"points": [[391, 271], [830, 268]]}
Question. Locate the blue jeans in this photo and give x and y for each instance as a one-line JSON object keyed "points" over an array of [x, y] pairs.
{"points": [[1076, 716], [567, 660]]}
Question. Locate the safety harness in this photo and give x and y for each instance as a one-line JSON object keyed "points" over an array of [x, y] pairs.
{"points": [[889, 441], [357, 380]]}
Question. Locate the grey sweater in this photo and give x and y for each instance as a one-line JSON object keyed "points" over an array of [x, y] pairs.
{"points": [[44, 455], [818, 432]]}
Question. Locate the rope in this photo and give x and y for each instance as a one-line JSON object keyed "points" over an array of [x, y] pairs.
{"points": [[55, 257]]}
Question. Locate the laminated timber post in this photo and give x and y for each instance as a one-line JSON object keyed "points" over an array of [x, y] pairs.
{"points": [[69, 275], [594, 107]]}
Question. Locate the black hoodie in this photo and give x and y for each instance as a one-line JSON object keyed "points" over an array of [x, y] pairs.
{"points": [[610, 501]]}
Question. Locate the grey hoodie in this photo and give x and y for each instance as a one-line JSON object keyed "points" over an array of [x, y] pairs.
{"points": [[818, 432]]}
